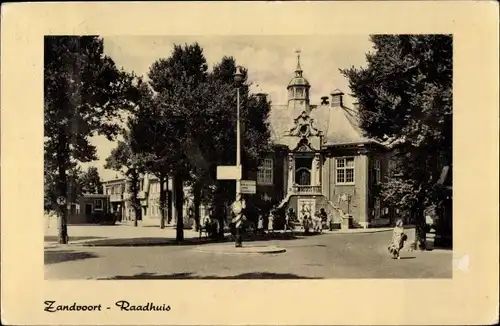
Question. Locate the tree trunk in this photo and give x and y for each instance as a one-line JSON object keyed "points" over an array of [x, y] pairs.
{"points": [[169, 202], [197, 202], [162, 201], [136, 202], [179, 200], [220, 211], [62, 185], [420, 225], [63, 212]]}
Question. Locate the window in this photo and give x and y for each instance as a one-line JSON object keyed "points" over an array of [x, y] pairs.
{"points": [[265, 172], [345, 170], [98, 205], [108, 191], [300, 92], [377, 171]]}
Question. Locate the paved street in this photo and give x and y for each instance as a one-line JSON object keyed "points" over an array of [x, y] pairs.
{"points": [[362, 255]]}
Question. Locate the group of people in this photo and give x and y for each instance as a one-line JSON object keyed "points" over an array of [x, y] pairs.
{"points": [[307, 221], [314, 221]]}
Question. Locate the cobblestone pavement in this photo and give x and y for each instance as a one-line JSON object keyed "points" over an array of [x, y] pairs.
{"points": [[361, 255]]}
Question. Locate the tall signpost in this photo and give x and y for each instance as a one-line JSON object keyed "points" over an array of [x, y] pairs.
{"points": [[238, 79], [234, 172]]}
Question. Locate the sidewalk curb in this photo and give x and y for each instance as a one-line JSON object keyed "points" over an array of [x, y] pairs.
{"points": [[358, 231], [230, 249]]}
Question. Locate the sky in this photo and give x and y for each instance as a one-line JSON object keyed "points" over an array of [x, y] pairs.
{"points": [[270, 60]]}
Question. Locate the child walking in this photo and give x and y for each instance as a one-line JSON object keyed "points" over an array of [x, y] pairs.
{"points": [[398, 240]]}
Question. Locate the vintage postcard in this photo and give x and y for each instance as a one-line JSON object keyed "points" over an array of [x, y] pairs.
{"points": [[264, 163]]}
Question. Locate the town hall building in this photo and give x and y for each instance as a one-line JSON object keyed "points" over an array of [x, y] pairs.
{"points": [[321, 159]]}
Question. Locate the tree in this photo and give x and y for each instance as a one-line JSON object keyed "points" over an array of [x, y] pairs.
{"points": [[217, 140], [176, 82], [50, 186], [90, 181], [405, 100], [189, 126], [122, 159], [83, 94], [151, 142]]}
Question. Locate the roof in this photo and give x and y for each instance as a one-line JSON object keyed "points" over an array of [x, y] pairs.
{"points": [[298, 81], [280, 120], [339, 124], [337, 92]]}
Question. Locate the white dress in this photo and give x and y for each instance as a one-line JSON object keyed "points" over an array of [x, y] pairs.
{"points": [[270, 225]]}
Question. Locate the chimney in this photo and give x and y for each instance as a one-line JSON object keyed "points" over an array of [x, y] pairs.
{"points": [[324, 100], [261, 97], [337, 99]]}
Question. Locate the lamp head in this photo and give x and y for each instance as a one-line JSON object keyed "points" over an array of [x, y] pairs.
{"points": [[238, 76]]}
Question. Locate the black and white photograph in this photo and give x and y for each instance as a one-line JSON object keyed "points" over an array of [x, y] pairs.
{"points": [[250, 163], [248, 157]]}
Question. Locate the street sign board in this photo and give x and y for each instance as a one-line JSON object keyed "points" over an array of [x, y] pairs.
{"points": [[248, 187], [61, 200], [229, 172]]}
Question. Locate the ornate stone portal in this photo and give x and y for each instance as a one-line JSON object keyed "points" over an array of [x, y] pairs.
{"points": [[304, 161]]}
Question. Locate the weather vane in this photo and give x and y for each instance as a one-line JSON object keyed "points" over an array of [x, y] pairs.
{"points": [[298, 52], [298, 59]]}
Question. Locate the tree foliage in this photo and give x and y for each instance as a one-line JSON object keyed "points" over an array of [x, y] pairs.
{"points": [[405, 101], [185, 124], [84, 92], [90, 181]]}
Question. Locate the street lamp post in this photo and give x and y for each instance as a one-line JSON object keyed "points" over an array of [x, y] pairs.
{"points": [[238, 79]]}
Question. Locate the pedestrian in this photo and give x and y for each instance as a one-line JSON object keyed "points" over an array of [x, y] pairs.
{"points": [[260, 224], [398, 240], [306, 222], [324, 217], [270, 223], [318, 224]]}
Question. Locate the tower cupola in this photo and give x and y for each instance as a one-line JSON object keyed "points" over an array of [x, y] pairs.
{"points": [[298, 88]]}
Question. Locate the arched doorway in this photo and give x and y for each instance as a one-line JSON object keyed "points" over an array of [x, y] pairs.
{"points": [[303, 165], [303, 176]]}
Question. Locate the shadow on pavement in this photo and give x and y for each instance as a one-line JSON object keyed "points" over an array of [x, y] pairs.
{"points": [[60, 256], [176, 276], [55, 238], [158, 241]]}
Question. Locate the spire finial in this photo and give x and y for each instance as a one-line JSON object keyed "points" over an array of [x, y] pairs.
{"points": [[298, 60]]}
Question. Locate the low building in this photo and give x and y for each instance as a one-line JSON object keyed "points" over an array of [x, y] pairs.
{"points": [[121, 203], [89, 209]]}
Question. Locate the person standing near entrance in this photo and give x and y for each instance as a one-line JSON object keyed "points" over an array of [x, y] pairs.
{"points": [[323, 216], [270, 223], [260, 224]]}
